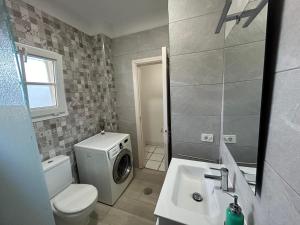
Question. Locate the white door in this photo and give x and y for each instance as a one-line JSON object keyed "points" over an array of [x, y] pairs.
{"points": [[165, 104]]}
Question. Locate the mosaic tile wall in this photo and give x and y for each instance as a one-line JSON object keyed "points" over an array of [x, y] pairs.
{"points": [[88, 79]]}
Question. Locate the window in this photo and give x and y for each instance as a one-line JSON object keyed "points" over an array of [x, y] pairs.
{"points": [[43, 79]]}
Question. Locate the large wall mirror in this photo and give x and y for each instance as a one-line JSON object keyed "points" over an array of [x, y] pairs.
{"points": [[243, 76]]}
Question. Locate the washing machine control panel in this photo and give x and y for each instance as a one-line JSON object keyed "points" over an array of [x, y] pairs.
{"points": [[118, 147], [126, 143], [114, 152]]}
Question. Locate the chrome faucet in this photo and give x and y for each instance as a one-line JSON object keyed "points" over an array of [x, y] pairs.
{"points": [[223, 178]]}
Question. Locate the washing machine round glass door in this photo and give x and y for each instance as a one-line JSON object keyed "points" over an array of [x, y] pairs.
{"points": [[122, 166]]}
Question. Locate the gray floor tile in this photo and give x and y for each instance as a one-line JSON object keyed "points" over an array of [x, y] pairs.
{"points": [[136, 207], [133, 207], [157, 157], [160, 150], [162, 167], [120, 217], [154, 165]]}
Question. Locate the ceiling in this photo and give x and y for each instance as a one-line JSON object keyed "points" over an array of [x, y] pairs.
{"points": [[111, 17]]}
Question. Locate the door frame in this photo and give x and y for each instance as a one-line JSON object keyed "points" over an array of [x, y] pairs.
{"points": [[136, 64]]}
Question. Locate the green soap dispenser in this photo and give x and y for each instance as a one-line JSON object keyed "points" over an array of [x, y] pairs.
{"points": [[234, 215]]}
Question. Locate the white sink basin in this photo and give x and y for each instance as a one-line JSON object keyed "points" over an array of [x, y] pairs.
{"points": [[189, 180], [185, 177]]}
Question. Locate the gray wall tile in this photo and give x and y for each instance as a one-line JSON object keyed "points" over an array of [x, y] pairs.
{"points": [[196, 74], [195, 35], [244, 154], [126, 113], [280, 202], [286, 94], [244, 62], [123, 63], [246, 129], [202, 151], [197, 100], [123, 82], [242, 98], [186, 128], [153, 39], [128, 127], [197, 68], [125, 45], [125, 98], [283, 141], [289, 45], [184, 9], [141, 42], [150, 53]]}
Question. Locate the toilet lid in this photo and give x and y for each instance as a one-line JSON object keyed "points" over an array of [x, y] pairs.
{"points": [[75, 198]]}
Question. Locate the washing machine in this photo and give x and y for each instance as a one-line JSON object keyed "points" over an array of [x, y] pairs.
{"points": [[105, 161]]}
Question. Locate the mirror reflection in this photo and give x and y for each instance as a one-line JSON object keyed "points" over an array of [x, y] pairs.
{"points": [[244, 63]]}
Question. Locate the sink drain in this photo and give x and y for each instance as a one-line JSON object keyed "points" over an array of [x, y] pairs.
{"points": [[197, 197]]}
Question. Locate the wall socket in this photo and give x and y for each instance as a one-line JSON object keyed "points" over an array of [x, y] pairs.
{"points": [[52, 153], [230, 139], [207, 137]]}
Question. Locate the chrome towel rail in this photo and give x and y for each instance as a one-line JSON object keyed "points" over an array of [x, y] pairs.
{"points": [[251, 14]]}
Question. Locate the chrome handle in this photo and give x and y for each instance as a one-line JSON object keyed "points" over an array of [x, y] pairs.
{"points": [[214, 177], [213, 168], [223, 177]]}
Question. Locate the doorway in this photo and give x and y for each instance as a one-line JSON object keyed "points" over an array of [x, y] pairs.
{"points": [[151, 109]]}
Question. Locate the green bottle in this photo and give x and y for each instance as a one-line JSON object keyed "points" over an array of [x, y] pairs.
{"points": [[234, 215]]}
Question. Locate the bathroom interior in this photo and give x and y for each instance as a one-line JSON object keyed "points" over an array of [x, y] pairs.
{"points": [[141, 112]]}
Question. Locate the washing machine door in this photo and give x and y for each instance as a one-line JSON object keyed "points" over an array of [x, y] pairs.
{"points": [[122, 166]]}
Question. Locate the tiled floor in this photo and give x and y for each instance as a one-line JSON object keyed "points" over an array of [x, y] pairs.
{"points": [[133, 207], [154, 157]]}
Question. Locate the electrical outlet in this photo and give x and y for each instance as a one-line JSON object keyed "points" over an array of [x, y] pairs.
{"points": [[52, 153], [230, 139], [207, 137]]}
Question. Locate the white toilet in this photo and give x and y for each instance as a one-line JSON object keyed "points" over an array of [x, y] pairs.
{"points": [[72, 204]]}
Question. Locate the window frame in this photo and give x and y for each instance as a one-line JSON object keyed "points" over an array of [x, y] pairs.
{"points": [[60, 109]]}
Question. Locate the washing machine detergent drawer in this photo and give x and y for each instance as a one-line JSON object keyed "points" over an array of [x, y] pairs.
{"points": [[113, 152]]}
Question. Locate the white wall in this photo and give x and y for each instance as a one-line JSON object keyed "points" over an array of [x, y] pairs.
{"points": [[152, 103]]}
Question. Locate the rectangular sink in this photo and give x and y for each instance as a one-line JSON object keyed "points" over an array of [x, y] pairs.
{"points": [[188, 182], [176, 202]]}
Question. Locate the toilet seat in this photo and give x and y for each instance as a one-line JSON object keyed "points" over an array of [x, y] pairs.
{"points": [[75, 198]]}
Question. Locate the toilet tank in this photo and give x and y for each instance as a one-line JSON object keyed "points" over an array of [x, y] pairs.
{"points": [[58, 175]]}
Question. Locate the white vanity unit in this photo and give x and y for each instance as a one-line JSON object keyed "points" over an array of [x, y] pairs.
{"points": [[176, 204]]}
